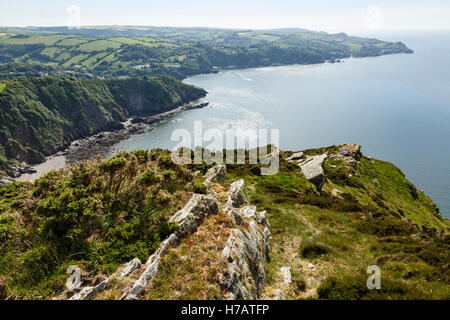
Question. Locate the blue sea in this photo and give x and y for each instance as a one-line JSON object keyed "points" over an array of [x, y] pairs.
{"points": [[396, 106]]}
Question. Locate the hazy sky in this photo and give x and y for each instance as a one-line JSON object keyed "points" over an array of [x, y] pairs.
{"points": [[327, 15]]}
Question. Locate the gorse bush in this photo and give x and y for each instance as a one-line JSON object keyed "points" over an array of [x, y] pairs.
{"points": [[199, 188], [147, 178], [99, 214]]}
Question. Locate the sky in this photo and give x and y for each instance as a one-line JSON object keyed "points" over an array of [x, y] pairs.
{"points": [[323, 15]]}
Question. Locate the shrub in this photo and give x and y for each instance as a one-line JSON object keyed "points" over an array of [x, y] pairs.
{"points": [[141, 155], [113, 164], [310, 249], [168, 174], [166, 161], [147, 178], [298, 282], [163, 197], [199, 188], [385, 226], [354, 287], [413, 191]]}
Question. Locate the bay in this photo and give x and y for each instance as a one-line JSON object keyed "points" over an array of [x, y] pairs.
{"points": [[396, 106]]}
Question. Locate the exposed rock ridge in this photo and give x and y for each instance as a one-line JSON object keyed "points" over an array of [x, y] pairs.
{"points": [[246, 248], [188, 219], [312, 166]]}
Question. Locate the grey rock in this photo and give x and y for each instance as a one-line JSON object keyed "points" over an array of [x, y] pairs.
{"points": [[151, 270], [88, 293], [248, 212], [130, 267], [267, 235], [246, 253], [217, 173], [313, 171], [235, 216], [197, 173], [188, 219], [296, 156], [5, 181], [197, 208], [236, 197], [262, 219], [82, 293], [351, 150], [245, 250]]}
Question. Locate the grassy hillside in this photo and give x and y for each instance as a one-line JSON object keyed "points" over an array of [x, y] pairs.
{"points": [[104, 213], [42, 115], [128, 52]]}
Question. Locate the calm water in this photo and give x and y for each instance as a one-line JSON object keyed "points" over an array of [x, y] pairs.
{"points": [[397, 107]]}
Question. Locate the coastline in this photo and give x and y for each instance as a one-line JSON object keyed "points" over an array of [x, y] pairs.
{"points": [[98, 145]]}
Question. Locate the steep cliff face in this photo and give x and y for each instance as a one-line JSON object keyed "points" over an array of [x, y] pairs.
{"points": [[42, 115], [151, 95]]}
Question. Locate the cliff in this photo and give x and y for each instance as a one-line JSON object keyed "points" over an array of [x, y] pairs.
{"points": [[39, 116], [138, 226]]}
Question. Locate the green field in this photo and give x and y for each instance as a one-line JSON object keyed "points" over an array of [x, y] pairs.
{"points": [[113, 52]]}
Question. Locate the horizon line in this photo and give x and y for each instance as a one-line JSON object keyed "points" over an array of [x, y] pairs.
{"points": [[223, 28]]}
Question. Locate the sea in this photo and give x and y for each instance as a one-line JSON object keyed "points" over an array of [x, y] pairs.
{"points": [[396, 106]]}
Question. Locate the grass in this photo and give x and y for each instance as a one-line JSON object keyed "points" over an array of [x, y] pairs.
{"points": [[194, 269], [341, 244], [99, 45], [160, 46], [63, 221], [35, 39], [327, 241], [2, 86], [76, 60], [69, 42]]}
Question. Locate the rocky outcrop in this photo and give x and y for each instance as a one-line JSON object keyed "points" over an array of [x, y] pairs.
{"points": [[193, 213], [349, 153], [236, 197], [246, 248], [188, 219], [313, 170], [296, 156], [130, 267], [88, 293], [217, 173], [351, 150]]}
